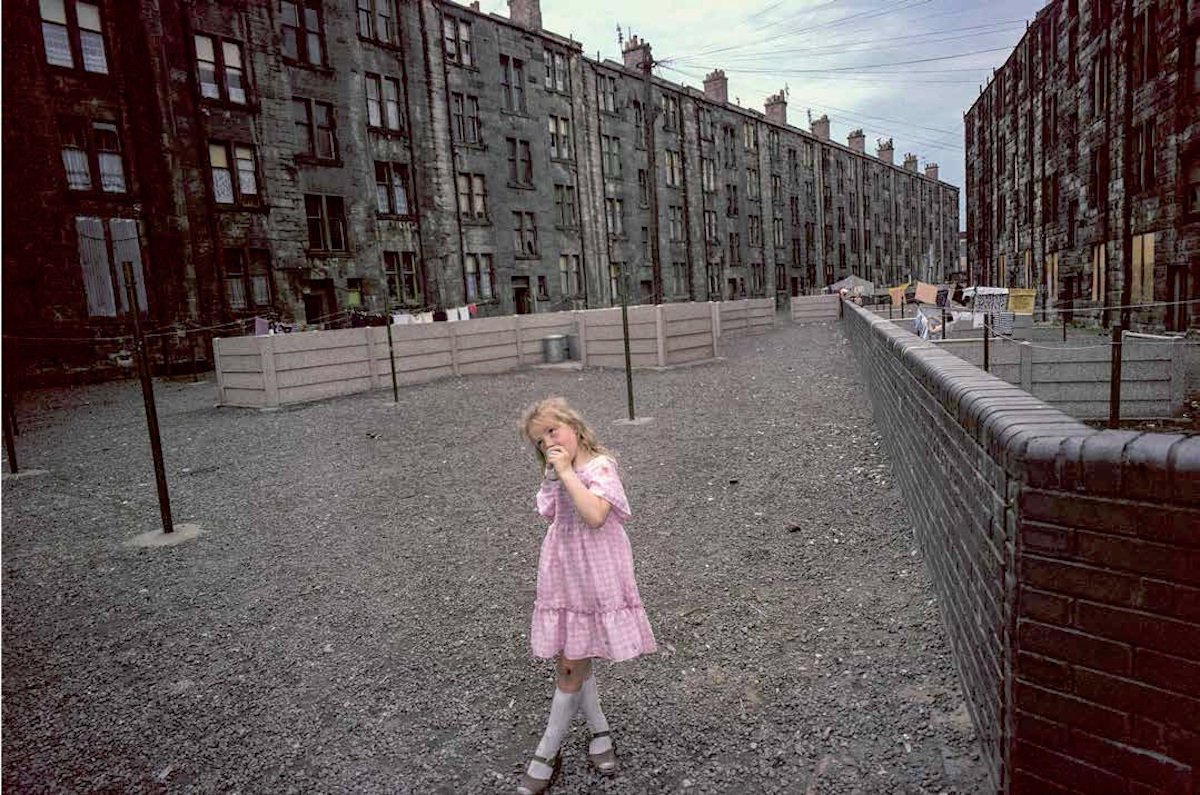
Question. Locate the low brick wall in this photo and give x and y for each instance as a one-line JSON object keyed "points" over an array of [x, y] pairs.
{"points": [[1066, 562]]}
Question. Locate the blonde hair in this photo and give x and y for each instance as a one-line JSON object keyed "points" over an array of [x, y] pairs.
{"points": [[556, 409]]}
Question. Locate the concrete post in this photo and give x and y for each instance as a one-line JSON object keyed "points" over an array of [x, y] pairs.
{"points": [[581, 332], [270, 381], [517, 335], [217, 370], [1178, 378], [660, 329], [716, 319], [454, 348], [374, 376], [1026, 351]]}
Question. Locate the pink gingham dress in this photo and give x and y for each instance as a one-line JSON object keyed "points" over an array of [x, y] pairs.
{"points": [[587, 600]]}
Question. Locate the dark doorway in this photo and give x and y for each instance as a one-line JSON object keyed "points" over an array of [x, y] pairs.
{"points": [[522, 299]]}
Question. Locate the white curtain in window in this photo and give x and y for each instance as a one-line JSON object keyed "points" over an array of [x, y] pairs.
{"points": [[112, 172], [75, 162], [127, 247], [91, 39], [93, 261]]}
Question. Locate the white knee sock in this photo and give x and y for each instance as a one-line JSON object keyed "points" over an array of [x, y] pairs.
{"points": [[589, 704], [562, 710]]}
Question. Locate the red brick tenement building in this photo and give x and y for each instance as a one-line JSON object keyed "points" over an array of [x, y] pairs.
{"points": [[1083, 162], [304, 157]]}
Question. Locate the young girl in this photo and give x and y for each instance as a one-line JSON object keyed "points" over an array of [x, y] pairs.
{"points": [[587, 600]]}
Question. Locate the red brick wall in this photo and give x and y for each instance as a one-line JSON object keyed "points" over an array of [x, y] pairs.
{"points": [[1106, 666]]}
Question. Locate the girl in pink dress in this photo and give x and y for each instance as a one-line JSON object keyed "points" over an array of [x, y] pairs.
{"points": [[587, 600]]}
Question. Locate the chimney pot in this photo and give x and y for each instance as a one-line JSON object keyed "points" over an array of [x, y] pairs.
{"points": [[716, 86], [885, 151], [636, 53], [931, 170], [910, 162], [857, 141]]}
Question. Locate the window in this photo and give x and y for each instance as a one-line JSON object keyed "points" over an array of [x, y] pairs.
{"points": [[383, 102], [512, 83], [674, 169], [706, 124], [560, 137], [520, 162], [614, 216], [568, 271], [1099, 273], [710, 226], [679, 271], [1143, 156], [225, 160], [708, 174], [639, 124], [646, 245], [247, 278], [564, 203], [750, 136], [1145, 47], [731, 199], [675, 218], [402, 278], [610, 153], [670, 109], [472, 197], [776, 188], [729, 145], [456, 37], [465, 112], [556, 72], [735, 249], [773, 143], [103, 247], [525, 243], [793, 165], [643, 188], [392, 181], [1072, 214], [480, 275], [753, 187], [1142, 282], [1192, 173], [326, 222], [608, 93], [1099, 83], [778, 224], [71, 31], [315, 127], [755, 230], [92, 150], [1098, 178], [376, 20], [794, 206], [219, 69], [615, 269], [303, 37]]}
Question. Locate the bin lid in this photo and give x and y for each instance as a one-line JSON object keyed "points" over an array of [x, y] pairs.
{"points": [[555, 337]]}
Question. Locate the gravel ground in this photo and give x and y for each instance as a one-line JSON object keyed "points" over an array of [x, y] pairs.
{"points": [[354, 616]]}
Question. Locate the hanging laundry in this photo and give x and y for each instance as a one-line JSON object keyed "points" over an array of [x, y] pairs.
{"points": [[425, 317], [472, 309], [897, 294], [926, 293], [262, 327]]}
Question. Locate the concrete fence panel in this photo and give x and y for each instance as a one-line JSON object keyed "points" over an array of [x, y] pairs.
{"points": [[1067, 566], [814, 308]]}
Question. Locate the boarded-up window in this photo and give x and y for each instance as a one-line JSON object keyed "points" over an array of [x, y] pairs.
{"points": [[1099, 273], [101, 254], [1142, 288]]}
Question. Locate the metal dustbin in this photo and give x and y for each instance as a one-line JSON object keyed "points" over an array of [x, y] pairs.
{"points": [[554, 348]]}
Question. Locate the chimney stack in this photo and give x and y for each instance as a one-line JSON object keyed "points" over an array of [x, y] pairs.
{"points": [[636, 53], [526, 13], [820, 127], [857, 141], [931, 170], [910, 162], [776, 106], [716, 86], [885, 151]]}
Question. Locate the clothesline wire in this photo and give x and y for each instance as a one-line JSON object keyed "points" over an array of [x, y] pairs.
{"points": [[1108, 344]]}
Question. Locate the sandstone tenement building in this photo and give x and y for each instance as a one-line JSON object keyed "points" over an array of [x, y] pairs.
{"points": [[1083, 162], [305, 157]]}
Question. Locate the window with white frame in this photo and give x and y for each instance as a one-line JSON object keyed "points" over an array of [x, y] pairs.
{"points": [[480, 277], [557, 78], [750, 136], [89, 149], [755, 230], [392, 188], [234, 173], [219, 69], [456, 41], [303, 32], [608, 93], [674, 169], [383, 102], [560, 137], [472, 197], [73, 32], [464, 111], [614, 215]]}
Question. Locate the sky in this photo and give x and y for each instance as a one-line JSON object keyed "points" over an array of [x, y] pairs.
{"points": [[904, 69]]}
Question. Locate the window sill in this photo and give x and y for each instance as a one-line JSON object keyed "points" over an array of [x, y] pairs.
{"points": [[323, 69], [565, 161], [476, 145], [94, 194], [381, 44], [249, 106], [473, 221], [516, 114], [521, 185], [312, 160], [314, 252], [395, 216], [466, 67], [387, 132], [620, 237], [243, 208], [527, 255]]}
